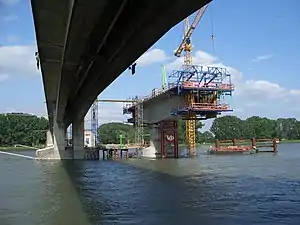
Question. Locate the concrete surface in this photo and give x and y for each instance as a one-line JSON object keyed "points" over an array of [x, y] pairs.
{"points": [[85, 45]]}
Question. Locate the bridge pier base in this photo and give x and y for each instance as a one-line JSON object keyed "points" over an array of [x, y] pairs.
{"points": [[153, 151], [163, 141], [56, 145], [59, 140], [49, 140]]}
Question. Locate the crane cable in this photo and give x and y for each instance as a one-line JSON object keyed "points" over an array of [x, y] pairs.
{"points": [[212, 28]]}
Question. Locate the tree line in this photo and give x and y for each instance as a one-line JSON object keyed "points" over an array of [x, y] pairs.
{"points": [[229, 127], [22, 128], [26, 129], [223, 128]]}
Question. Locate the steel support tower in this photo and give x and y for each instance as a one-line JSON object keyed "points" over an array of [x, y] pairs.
{"points": [[138, 122], [94, 121], [204, 90]]}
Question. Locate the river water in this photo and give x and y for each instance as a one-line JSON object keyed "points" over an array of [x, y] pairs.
{"points": [[208, 189]]}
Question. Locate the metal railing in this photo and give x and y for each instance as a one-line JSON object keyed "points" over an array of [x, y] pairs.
{"points": [[208, 106], [191, 84]]}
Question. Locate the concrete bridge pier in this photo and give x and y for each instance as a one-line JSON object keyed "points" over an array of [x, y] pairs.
{"points": [[56, 146], [59, 142], [56, 142], [163, 140], [154, 150], [78, 139], [49, 140]]}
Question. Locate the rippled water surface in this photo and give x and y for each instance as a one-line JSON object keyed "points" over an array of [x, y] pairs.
{"points": [[240, 189]]}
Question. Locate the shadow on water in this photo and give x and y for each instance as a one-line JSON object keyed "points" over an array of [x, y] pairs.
{"points": [[120, 193], [259, 189]]}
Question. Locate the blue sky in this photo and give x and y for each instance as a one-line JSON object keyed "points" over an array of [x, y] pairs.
{"points": [[258, 41]]}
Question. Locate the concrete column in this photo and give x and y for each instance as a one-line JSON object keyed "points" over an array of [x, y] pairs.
{"points": [[49, 139], [78, 139], [59, 136]]}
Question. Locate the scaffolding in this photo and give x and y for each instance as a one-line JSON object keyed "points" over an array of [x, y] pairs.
{"points": [[205, 91], [94, 121], [139, 122], [135, 107], [190, 125]]}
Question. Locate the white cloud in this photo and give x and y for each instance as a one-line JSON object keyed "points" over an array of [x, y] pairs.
{"points": [[152, 56], [10, 18], [295, 92], [39, 113], [262, 57], [17, 61], [10, 110]]}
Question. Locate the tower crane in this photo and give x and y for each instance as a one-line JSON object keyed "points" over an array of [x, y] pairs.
{"points": [[185, 44], [187, 47]]}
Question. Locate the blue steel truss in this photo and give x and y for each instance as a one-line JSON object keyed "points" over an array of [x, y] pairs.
{"points": [[203, 82], [94, 122], [203, 78]]}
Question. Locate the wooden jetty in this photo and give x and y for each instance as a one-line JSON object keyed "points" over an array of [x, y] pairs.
{"points": [[244, 146], [117, 151]]}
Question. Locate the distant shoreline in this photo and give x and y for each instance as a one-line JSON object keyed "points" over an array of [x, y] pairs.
{"points": [[13, 148], [281, 142], [290, 141]]}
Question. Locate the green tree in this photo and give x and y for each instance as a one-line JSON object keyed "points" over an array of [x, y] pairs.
{"points": [[109, 133], [206, 137], [260, 127], [22, 128], [227, 127]]}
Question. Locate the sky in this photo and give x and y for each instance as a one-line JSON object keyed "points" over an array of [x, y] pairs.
{"points": [[257, 41]]}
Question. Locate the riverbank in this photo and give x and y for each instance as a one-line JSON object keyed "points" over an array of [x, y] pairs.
{"points": [[290, 141], [241, 143], [197, 144], [13, 148]]}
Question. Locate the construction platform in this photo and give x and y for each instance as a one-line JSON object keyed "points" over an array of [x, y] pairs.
{"points": [[204, 88], [244, 146], [192, 93]]}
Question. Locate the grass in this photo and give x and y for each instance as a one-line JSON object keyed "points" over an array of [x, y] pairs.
{"points": [[290, 141], [13, 148], [244, 143]]}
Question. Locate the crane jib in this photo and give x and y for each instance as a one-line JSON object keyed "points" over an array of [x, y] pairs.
{"points": [[191, 29]]}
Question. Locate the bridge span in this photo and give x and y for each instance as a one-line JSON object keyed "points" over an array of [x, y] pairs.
{"points": [[84, 45]]}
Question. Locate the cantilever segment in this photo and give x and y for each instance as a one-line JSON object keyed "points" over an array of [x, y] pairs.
{"points": [[207, 89]]}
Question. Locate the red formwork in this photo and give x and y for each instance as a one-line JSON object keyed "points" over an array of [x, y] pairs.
{"points": [[169, 139]]}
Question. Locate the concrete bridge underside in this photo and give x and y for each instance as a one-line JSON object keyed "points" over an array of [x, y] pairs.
{"points": [[84, 45]]}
